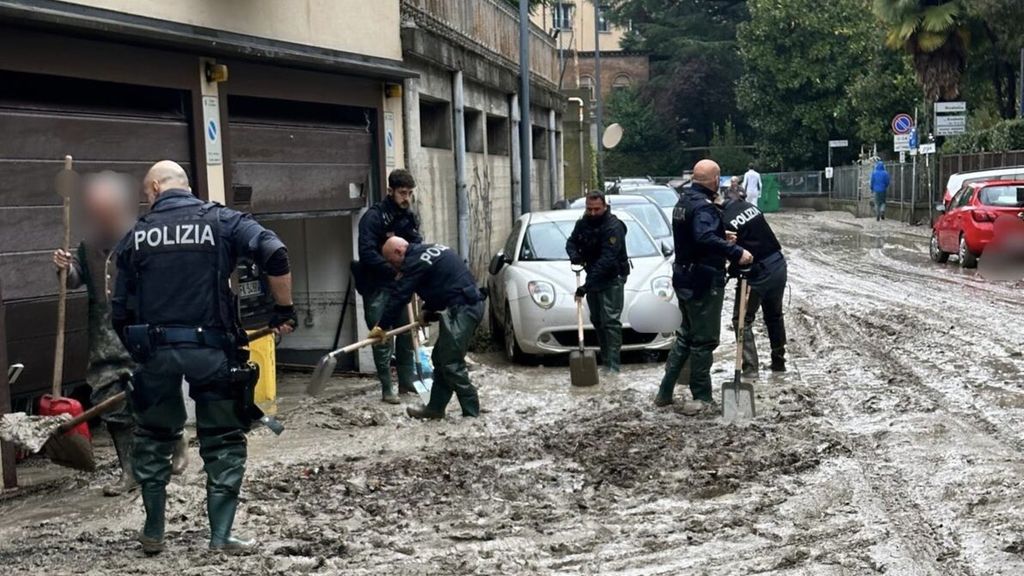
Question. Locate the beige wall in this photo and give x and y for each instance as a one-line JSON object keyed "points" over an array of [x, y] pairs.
{"points": [[369, 27], [583, 24]]}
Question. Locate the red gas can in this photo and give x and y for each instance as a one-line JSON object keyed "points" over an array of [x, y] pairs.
{"points": [[57, 405]]}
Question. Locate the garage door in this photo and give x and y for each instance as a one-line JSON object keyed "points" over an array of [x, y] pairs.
{"points": [[289, 157], [104, 126]]}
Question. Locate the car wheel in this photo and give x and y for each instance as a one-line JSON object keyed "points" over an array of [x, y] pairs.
{"points": [[512, 351], [934, 252], [967, 258]]}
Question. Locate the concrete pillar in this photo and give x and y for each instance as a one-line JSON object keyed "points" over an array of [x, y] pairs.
{"points": [[213, 128], [516, 158]]}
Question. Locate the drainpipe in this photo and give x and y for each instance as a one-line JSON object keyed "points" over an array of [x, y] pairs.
{"points": [[517, 162], [583, 153], [525, 123], [552, 157], [461, 195]]}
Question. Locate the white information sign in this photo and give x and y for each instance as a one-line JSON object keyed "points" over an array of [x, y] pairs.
{"points": [[948, 107], [901, 143], [211, 129]]}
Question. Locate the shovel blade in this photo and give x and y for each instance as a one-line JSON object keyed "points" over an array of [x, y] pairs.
{"points": [[321, 374], [583, 368], [71, 450], [738, 401], [423, 388]]}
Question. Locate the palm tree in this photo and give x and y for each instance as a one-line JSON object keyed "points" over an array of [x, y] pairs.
{"points": [[935, 34]]}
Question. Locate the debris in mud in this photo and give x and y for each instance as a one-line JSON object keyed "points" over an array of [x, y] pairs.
{"points": [[30, 432]]}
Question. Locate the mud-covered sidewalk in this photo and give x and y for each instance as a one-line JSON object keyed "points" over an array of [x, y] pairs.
{"points": [[894, 445]]}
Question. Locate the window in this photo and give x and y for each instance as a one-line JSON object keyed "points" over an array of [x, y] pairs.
{"points": [[1000, 195], [498, 136], [435, 124], [540, 143], [474, 130], [561, 14], [622, 81], [513, 239], [588, 83], [602, 21]]}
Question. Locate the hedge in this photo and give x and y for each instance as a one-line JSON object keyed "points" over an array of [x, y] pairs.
{"points": [[1006, 135]]}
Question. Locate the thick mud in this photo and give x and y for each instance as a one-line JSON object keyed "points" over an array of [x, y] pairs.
{"points": [[894, 445]]}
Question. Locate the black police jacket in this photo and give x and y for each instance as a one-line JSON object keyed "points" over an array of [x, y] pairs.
{"points": [[438, 275], [383, 220], [753, 233], [174, 264], [701, 248], [599, 244]]}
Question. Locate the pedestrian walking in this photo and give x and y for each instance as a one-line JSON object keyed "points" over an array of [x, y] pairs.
{"points": [[110, 203], [375, 278], [450, 297], [747, 226], [752, 185], [178, 317], [879, 186], [598, 243], [699, 281]]}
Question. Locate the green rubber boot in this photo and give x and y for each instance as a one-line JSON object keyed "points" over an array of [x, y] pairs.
{"points": [[154, 499], [221, 510]]}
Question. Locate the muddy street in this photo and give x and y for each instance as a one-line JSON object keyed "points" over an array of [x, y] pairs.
{"points": [[894, 445]]}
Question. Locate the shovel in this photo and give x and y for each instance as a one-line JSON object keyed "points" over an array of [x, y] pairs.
{"points": [[325, 368], [582, 362], [422, 384], [73, 447], [737, 395]]}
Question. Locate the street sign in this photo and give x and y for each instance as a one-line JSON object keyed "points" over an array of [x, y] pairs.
{"points": [[927, 148], [950, 125], [913, 139], [901, 143], [828, 172], [211, 125], [389, 139], [838, 143], [903, 157], [947, 107], [902, 124]]}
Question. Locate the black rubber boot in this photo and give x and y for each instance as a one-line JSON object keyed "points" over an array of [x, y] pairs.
{"points": [[154, 498], [124, 440], [779, 359], [221, 510], [390, 396], [424, 413]]}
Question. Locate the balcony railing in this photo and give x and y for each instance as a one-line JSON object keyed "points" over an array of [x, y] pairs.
{"points": [[487, 25]]}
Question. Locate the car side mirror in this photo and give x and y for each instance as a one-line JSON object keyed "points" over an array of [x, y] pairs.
{"points": [[940, 208], [667, 250], [498, 262]]}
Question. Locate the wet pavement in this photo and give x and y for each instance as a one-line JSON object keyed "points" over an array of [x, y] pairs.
{"points": [[894, 445]]}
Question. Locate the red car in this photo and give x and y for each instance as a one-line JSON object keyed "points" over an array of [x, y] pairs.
{"points": [[979, 215]]}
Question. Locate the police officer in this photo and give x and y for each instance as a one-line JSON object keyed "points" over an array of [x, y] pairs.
{"points": [[699, 280], [767, 279], [177, 315], [375, 278], [450, 295], [598, 243], [111, 205]]}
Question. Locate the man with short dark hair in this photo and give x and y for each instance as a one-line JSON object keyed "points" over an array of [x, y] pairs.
{"points": [[375, 277], [598, 243]]}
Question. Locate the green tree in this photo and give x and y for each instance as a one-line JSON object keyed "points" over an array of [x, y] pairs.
{"points": [[883, 86], [728, 150], [935, 34], [800, 57], [647, 146]]}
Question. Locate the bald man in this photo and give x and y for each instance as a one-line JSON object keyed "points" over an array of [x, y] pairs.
{"points": [[451, 297], [176, 314], [699, 281]]}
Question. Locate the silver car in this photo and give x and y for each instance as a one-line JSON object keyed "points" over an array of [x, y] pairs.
{"points": [[532, 304], [664, 196]]}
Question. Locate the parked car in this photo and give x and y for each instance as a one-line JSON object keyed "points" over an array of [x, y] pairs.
{"points": [[664, 196], [643, 209], [532, 287], [957, 181], [968, 222]]}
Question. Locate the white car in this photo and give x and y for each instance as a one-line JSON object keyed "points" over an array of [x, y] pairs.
{"points": [[532, 287], [641, 208], [664, 196], [958, 180]]}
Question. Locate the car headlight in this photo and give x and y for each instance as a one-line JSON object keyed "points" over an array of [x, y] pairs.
{"points": [[662, 287], [543, 293]]}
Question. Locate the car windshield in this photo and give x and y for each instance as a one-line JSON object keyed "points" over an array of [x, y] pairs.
{"points": [[1000, 195], [663, 197], [546, 241], [649, 215]]}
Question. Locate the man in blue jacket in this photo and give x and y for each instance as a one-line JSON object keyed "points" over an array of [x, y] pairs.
{"points": [[879, 184]]}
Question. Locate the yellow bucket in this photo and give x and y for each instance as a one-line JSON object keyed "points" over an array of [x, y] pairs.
{"points": [[262, 353]]}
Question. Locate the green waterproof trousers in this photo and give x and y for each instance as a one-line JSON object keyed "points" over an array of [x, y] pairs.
{"points": [[696, 340], [401, 346], [606, 316], [457, 326]]}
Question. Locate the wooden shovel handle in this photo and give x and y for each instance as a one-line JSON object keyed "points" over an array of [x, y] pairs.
{"points": [[101, 408], [744, 291], [62, 289], [368, 341]]}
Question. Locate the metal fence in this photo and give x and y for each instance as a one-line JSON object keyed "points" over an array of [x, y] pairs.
{"points": [[953, 163], [854, 183]]}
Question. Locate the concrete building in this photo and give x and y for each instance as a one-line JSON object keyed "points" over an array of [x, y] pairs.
{"points": [[466, 56], [297, 133]]}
